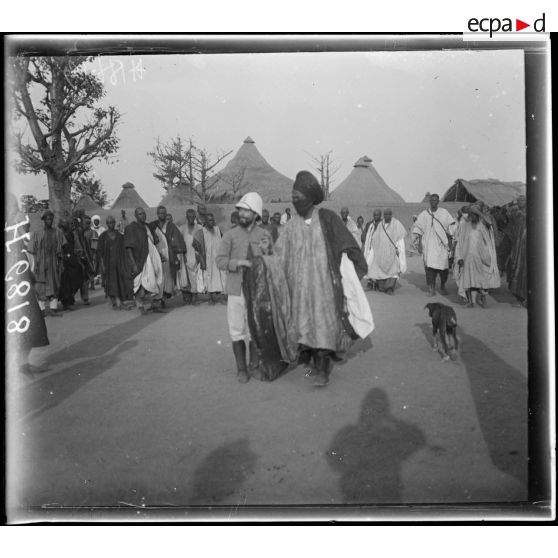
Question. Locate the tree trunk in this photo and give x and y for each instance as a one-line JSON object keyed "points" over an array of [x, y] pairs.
{"points": [[59, 188]]}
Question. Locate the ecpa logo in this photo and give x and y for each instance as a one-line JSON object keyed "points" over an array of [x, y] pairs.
{"points": [[496, 25]]}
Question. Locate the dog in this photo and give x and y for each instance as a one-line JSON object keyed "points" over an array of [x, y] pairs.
{"points": [[444, 326]]}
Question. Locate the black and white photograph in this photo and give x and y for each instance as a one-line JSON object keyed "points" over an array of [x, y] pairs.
{"points": [[266, 278]]}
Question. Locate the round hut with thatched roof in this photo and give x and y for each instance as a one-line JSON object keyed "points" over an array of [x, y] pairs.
{"points": [[248, 170], [178, 195], [128, 198], [86, 204], [365, 185]]}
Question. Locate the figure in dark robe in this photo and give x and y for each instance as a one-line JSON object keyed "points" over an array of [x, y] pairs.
{"points": [[116, 277], [73, 273]]}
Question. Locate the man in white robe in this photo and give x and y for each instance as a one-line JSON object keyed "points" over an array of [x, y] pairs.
{"points": [[367, 240], [351, 225], [389, 260], [190, 264], [432, 236], [206, 242]]}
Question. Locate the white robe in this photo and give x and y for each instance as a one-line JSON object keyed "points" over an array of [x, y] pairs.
{"points": [[432, 228], [151, 276]]}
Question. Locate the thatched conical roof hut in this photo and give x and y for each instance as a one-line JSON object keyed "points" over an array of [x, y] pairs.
{"points": [[248, 170], [87, 204], [178, 195], [365, 185], [128, 198]]}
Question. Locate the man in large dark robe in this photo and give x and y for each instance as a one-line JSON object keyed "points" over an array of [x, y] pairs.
{"points": [[117, 279], [308, 255], [73, 273]]}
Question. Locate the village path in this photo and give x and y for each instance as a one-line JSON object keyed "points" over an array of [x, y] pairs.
{"points": [[139, 412]]}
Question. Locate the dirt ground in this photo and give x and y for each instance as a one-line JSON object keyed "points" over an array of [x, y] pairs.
{"points": [[134, 412]]}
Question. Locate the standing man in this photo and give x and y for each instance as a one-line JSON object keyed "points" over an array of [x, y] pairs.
{"points": [[309, 252], [90, 239], [367, 238], [286, 217], [268, 226], [73, 267], [389, 260], [123, 223], [112, 256], [432, 236], [46, 246], [350, 224], [475, 253], [170, 244], [191, 259], [205, 243], [145, 263], [99, 230], [360, 225], [232, 256]]}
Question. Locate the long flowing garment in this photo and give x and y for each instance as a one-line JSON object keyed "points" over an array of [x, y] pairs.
{"points": [[151, 275], [214, 278], [389, 260], [73, 272], [116, 275], [46, 248], [368, 247], [295, 299], [476, 247], [190, 263], [164, 252], [434, 228]]}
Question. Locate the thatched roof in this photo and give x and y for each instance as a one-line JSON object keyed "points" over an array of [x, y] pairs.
{"points": [[128, 198], [490, 191], [251, 171], [87, 203], [179, 195], [365, 185]]}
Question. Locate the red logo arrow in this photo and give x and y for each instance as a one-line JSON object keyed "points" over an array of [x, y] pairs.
{"points": [[519, 25]]}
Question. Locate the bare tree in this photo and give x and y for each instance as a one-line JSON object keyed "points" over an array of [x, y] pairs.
{"points": [[172, 161], [180, 162], [68, 127], [327, 168]]}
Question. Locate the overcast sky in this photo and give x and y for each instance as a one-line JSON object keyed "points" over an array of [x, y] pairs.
{"points": [[425, 118]]}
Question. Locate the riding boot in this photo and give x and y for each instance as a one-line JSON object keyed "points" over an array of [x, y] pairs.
{"points": [[239, 350]]}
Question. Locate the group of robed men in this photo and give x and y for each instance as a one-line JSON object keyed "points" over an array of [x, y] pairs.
{"points": [[144, 261], [478, 246]]}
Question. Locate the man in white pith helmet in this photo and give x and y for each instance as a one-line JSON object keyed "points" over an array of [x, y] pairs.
{"points": [[232, 256]]}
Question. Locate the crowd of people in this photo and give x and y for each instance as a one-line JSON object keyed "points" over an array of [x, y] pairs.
{"points": [[291, 282]]}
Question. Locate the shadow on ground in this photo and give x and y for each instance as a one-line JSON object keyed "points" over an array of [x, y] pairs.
{"points": [[222, 473], [369, 455], [499, 392], [102, 342], [48, 392]]}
